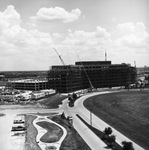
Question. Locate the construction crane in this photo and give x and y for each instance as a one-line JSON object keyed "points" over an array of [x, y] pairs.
{"points": [[91, 85], [59, 56]]}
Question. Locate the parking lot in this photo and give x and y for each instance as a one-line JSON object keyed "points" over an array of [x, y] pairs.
{"points": [[11, 140]]}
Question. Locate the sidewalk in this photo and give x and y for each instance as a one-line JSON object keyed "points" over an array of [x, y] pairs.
{"points": [[97, 122]]}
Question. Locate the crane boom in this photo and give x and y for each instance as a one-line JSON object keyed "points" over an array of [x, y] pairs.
{"points": [[91, 85], [59, 56]]}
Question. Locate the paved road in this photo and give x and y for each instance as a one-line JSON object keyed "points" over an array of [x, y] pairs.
{"points": [[89, 137], [98, 123]]}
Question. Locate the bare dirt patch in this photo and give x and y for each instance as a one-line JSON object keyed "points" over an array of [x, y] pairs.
{"points": [[31, 132]]}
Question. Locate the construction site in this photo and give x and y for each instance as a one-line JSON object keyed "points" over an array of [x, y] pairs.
{"points": [[89, 75]]}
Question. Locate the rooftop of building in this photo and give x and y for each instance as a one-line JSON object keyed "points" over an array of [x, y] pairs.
{"points": [[93, 63], [28, 81]]}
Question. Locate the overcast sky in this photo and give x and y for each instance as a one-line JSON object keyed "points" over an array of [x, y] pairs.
{"points": [[29, 29]]}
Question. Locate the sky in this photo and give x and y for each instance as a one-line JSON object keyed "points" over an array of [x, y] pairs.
{"points": [[78, 29]]}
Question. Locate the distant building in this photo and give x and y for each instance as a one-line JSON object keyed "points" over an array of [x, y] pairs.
{"points": [[9, 98], [37, 95], [85, 74], [48, 92], [142, 71], [29, 84], [24, 95], [2, 77], [40, 94], [3, 81]]}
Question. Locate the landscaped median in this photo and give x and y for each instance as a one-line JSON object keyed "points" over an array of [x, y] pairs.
{"points": [[111, 144], [52, 132]]}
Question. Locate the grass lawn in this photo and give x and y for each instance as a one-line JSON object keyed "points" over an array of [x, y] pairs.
{"points": [[73, 140], [127, 111], [54, 132], [101, 135], [53, 101]]}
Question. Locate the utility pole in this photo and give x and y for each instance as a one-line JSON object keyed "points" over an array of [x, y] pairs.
{"points": [[105, 55], [135, 64], [91, 117]]}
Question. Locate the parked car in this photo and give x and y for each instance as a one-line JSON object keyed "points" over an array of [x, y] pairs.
{"points": [[18, 121], [18, 128]]}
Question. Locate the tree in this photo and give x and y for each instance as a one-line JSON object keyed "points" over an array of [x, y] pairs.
{"points": [[74, 95], [108, 131], [127, 145], [63, 116], [111, 140], [147, 77]]}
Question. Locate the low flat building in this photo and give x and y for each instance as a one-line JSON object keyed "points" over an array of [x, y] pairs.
{"points": [[37, 95], [48, 92], [8, 98]]}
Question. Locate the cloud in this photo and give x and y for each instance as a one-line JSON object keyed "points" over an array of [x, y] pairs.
{"points": [[23, 49], [88, 45], [126, 28], [57, 14], [57, 35], [114, 19], [98, 37], [9, 18], [133, 35], [19, 44], [131, 43]]}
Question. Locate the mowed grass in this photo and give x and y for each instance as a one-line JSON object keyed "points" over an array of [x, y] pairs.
{"points": [[54, 132], [53, 101], [127, 111]]}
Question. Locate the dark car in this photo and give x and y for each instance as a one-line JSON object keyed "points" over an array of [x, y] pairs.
{"points": [[18, 121], [18, 128]]}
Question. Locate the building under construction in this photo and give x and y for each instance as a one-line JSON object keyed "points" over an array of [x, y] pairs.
{"points": [[28, 84], [90, 74]]}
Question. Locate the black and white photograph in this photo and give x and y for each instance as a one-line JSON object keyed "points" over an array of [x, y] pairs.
{"points": [[74, 75]]}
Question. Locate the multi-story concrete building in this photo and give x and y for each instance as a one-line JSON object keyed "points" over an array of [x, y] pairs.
{"points": [[29, 84], [86, 74], [65, 78]]}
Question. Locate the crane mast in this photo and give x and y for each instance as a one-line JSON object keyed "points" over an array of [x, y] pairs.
{"points": [[91, 85], [59, 56]]}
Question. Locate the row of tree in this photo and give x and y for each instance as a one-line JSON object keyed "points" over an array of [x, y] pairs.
{"points": [[110, 140]]}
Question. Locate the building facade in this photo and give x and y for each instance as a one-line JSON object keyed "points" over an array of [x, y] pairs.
{"points": [[86, 74], [65, 78], [29, 84]]}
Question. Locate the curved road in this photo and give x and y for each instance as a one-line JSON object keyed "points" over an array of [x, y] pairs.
{"points": [[97, 122], [89, 137]]}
